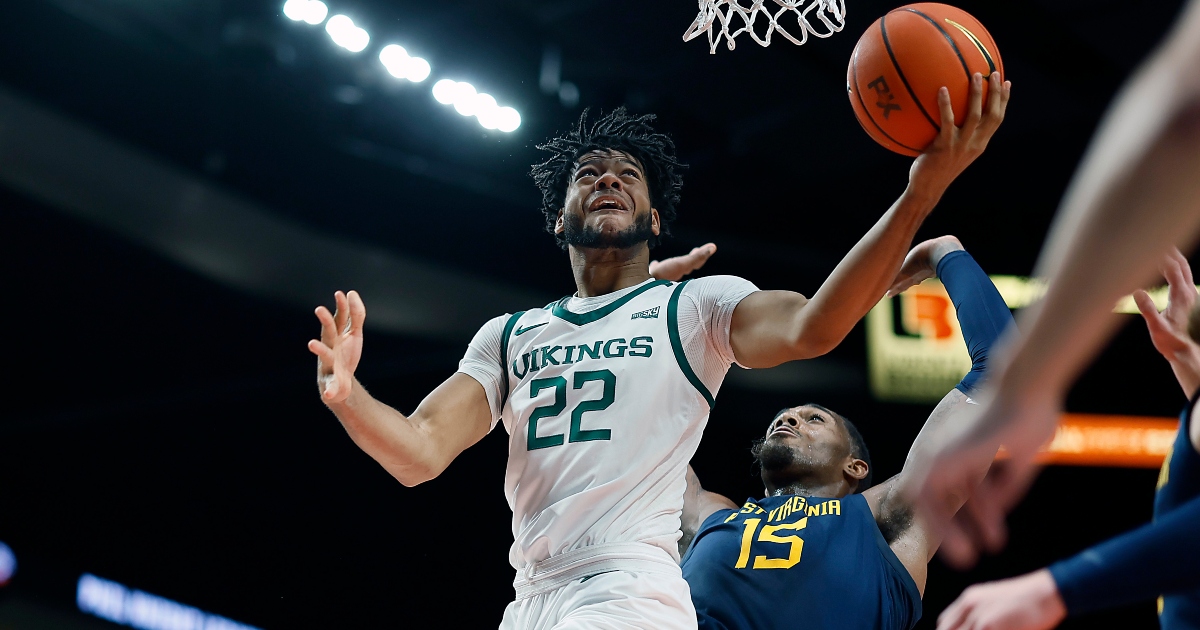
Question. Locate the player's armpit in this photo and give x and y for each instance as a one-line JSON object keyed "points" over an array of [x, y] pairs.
{"points": [[698, 505], [912, 536]]}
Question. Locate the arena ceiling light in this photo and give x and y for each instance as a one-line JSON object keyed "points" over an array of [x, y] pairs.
{"points": [[403, 66], [346, 34], [467, 101], [462, 95], [310, 11]]}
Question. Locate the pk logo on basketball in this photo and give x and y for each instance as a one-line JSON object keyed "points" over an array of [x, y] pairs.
{"points": [[881, 91]]}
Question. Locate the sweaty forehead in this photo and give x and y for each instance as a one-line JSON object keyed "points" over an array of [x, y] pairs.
{"points": [[803, 411], [604, 155]]}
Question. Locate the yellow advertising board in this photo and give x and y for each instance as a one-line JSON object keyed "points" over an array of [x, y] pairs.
{"points": [[915, 349]]}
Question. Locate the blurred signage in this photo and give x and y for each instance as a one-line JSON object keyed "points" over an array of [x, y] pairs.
{"points": [[915, 349], [130, 607], [1100, 440], [1095, 440]]}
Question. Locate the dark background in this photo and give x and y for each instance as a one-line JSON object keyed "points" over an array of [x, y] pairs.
{"points": [[161, 425]]}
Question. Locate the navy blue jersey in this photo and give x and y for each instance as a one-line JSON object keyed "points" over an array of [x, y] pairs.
{"points": [[1179, 482], [792, 561]]}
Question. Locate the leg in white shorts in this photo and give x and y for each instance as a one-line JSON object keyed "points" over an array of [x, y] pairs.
{"points": [[616, 600]]}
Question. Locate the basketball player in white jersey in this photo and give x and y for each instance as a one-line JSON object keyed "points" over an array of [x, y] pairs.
{"points": [[605, 393]]}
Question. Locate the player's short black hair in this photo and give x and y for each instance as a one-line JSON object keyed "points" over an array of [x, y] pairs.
{"points": [[858, 446], [621, 131]]}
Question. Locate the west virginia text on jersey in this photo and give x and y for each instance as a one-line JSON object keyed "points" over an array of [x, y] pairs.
{"points": [[793, 561]]}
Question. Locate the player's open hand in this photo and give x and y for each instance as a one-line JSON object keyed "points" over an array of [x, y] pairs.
{"points": [[956, 147], [1028, 602], [676, 268], [340, 346], [921, 262], [1169, 329]]}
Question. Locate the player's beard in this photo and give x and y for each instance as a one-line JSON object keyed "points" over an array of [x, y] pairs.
{"points": [[576, 233], [773, 456]]}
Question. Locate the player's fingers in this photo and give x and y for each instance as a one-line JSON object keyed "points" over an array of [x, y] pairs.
{"points": [[995, 93], [1181, 294], [1155, 322], [700, 255], [323, 352], [957, 549], [988, 519], [974, 104], [955, 614], [1185, 267], [328, 328], [358, 312], [341, 313], [995, 105], [947, 112]]}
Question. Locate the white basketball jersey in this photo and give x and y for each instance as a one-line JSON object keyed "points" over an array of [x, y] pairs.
{"points": [[603, 414]]}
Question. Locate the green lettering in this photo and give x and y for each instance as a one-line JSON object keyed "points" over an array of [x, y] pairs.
{"points": [[533, 361], [520, 374], [637, 349], [578, 433], [620, 352], [590, 351], [548, 355], [546, 411]]}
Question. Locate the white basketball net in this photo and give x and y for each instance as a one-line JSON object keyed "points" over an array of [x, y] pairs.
{"points": [[730, 18]]}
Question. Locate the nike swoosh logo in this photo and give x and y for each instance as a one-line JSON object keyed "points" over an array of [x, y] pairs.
{"points": [[524, 329]]}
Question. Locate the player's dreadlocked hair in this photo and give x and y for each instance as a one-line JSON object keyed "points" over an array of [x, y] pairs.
{"points": [[621, 131]]}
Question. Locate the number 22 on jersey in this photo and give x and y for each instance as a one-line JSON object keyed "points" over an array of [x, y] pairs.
{"points": [[577, 433]]}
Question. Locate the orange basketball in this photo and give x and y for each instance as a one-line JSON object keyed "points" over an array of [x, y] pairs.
{"points": [[900, 62]]}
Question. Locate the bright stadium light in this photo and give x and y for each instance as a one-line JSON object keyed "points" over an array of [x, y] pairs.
{"points": [[345, 34], [315, 12], [470, 102], [464, 98], [400, 65], [486, 111], [418, 69], [507, 119], [392, 55], [443, 91], [295, 9], [311, 11]]}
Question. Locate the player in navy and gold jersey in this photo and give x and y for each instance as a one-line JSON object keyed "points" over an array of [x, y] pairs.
{"points": [[1158, 559], [824, 548]]}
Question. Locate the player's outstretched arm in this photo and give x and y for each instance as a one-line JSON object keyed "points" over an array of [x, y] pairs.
{"points": [[983, 316], [1136, 566], [698, 505], [1134, 195], [772, 327], [412, 448]]}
